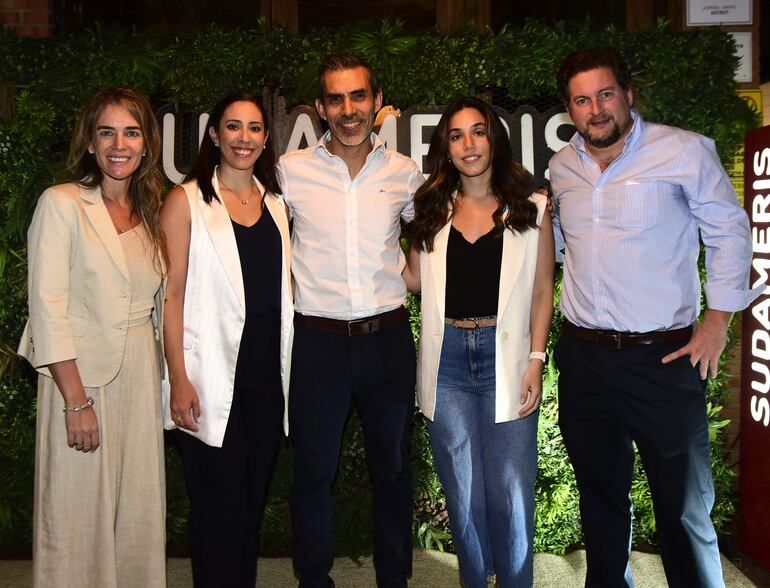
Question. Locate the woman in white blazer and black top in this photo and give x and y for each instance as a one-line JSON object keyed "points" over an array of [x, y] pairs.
{"points": [[482, 247], [228, 334]]}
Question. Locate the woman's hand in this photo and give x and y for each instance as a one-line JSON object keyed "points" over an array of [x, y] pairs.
{"points": [[531, 388], [82, 426], [82, 429], [185, 407]]}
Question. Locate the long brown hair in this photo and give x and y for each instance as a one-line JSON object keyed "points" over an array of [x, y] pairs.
{"points": [[146, 183], [511, 184]]}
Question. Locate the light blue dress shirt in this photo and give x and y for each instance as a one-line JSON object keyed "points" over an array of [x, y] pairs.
{"points": [[631, 232]]}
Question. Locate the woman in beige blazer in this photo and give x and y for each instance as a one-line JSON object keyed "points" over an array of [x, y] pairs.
{"points": [[483, 250], [95, 253], [228, 326]]}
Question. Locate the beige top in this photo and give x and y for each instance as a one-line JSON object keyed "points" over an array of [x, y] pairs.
{"points": [[144, 284]]}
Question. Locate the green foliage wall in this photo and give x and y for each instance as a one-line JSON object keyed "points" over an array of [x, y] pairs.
{"points": [[683, 78]]}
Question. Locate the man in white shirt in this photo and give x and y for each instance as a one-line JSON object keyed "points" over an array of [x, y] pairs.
{"points": [[352, 344]]}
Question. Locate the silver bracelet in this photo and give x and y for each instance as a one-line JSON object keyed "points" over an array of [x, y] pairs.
{"points": [[89, 403]]}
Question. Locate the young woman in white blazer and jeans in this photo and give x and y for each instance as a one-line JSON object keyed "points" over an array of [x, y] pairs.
{"points": [[482, 248]]}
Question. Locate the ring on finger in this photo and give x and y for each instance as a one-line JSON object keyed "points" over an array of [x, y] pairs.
{"points": [[179, 420]]}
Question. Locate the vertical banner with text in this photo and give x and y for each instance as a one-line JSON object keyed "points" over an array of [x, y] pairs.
{"points": [[755, 361]]}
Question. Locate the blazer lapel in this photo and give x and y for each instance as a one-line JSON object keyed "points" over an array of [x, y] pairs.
{"points": [[514, 245], [220, 230], [438, 266], [97, 215]]}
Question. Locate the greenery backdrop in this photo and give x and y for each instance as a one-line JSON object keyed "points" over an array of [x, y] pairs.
{"points": [[682, 78]]}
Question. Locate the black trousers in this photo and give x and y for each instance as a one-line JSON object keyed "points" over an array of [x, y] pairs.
{"points": [[228, 487], [609, 398], [330, 372]]}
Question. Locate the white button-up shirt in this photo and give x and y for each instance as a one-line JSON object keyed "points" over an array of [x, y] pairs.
{"points": [[346, 257]]}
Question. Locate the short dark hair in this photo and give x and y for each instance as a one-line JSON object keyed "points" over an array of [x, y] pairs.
{"points": [[588, 59], [342, 61]]}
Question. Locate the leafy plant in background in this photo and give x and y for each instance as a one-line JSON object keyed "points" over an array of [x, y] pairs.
{"points": [[682, 78]]}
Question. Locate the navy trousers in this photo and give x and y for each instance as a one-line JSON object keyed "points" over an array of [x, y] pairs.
{"points": [[609, 398], [330, 372]]}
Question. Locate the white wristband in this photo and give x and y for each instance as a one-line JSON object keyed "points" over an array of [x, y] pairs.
{"points": [[537, 355]]}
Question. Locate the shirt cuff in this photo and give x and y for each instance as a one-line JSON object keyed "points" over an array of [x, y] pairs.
{"points": [[730, 300]]}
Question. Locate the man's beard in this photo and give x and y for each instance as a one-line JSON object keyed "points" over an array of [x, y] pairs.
{"points": [[613, 137]]}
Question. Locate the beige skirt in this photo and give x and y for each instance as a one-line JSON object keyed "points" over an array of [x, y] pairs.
{"points": [[99, 518]]}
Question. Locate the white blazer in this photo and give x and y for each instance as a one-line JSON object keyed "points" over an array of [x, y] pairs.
{"points": [[215, 311], [512, 342]]}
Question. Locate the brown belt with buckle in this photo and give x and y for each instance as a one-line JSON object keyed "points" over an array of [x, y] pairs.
{"points": [[620, 340], [362, 326], [472, 323]]}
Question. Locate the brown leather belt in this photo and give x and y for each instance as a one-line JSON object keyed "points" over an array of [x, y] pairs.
{"points": [[620, 340], [471, 323], [362, 326]]}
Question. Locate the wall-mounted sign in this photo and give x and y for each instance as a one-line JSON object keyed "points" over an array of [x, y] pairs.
{"points": [[755, 360], [743, 73], [535, 136], [709, 12]]}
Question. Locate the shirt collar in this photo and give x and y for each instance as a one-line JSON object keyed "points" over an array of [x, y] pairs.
{"points": [[378, 147], [578, 143]]}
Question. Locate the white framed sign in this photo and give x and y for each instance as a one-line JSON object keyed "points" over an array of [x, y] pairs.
{"points": [[743, 51], [725, 12]]}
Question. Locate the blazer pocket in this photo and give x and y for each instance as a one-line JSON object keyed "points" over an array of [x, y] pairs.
{"points": [[188, 339]]}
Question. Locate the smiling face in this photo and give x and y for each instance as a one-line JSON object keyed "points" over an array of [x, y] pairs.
{"points": [[599, 107], [118, 143], [241, 135], [348, 106], [468, 140]]}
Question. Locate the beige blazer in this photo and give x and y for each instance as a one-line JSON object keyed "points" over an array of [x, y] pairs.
{"points": [[79, 290], [517, 280]]}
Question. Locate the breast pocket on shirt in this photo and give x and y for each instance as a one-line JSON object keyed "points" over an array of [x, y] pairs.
{"points": [[637, 206]]}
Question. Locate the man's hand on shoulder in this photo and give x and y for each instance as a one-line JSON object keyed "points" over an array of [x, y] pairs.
{"points": [[706, 344]]}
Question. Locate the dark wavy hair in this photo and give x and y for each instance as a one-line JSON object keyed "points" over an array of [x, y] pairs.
{"points": [[588, 59], [511, 184], [146, 183], [209, 156]]}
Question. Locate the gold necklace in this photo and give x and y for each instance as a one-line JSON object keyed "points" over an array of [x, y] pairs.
{"points": [[244, 201], [118, 227]]}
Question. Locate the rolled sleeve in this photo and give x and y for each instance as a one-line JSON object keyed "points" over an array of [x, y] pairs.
{"points": [[724, 230], [416, 179]]}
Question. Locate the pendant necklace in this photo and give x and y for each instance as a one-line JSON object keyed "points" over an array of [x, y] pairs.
{"points": [[244, 201]]}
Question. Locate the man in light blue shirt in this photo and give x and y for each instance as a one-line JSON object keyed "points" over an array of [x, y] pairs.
{"points": [[631, 200]]}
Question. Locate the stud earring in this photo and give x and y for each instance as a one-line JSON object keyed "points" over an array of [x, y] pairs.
{"points": [[91, 150]]}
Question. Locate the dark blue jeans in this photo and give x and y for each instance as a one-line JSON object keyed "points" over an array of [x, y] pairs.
{"points": [[487, 469], [330, 372]]}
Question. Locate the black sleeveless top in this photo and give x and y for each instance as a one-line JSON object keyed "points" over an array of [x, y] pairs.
{"points": [[472, 275], [260, 252]]}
